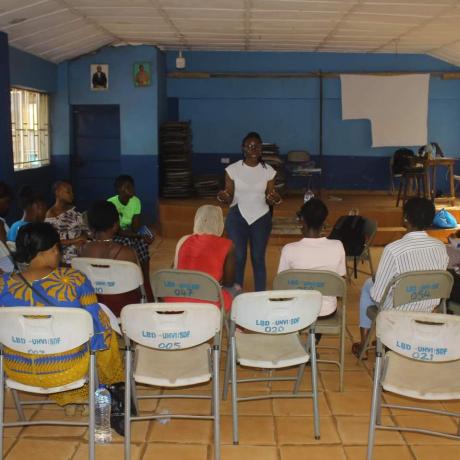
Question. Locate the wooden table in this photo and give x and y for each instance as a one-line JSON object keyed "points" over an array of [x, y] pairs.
{"points": [[433, 164]]}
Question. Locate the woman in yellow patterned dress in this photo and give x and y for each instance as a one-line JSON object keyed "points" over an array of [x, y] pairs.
{"points": [[43, 282]]}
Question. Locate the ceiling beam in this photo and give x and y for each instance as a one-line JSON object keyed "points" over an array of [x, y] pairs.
{"points": [[453, 5], [247, 23], [95, 24], [39, 32], [170, 22], [331, 33]]}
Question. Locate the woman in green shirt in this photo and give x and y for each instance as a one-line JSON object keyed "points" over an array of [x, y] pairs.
{"points": [[129, 210]]}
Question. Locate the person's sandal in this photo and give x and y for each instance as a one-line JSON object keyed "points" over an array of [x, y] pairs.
{"points": [[356, 350]]}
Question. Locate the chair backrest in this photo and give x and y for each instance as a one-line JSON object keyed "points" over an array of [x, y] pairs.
{"points": [[298, 156], [189, 284], [276, 312], [110, 276], [370, 229], [417, 286], [4, 252], [6, 260], [44, 330], [171, 326], [324, 281], [420, 336]]}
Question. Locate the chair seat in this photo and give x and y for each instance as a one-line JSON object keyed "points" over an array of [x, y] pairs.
{"points": [[45, 391], [270, 351], [330, 325], [407, 377], [372, 312], [172, 368]]}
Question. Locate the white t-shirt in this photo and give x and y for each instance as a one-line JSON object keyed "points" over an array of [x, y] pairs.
{"points": [[250, 185], [315, 254]]}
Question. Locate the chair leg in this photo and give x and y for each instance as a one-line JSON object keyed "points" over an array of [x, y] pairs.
{"points": [[314, 384], [216, 402], [301, 369], [128, 378], [92, 406], [228, 362], [366, 343], [133, 389], [234, 391], [374, 407], [378, 416], [18, 405], [342, 351], [300, 373]]}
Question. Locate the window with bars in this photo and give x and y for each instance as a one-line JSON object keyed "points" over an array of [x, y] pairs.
{"points": [[30, 129]]}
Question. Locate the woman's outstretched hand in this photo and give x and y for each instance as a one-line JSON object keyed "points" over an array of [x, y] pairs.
{"points": [[224, 197], [273, 198]]}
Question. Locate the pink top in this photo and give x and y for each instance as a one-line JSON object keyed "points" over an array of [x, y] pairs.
{"points": [[205, 253]]}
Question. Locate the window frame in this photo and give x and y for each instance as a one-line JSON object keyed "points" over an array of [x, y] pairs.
{"points": [[35, 134]]}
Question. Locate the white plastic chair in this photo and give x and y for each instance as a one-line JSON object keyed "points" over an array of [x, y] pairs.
{"points": [[172, 350], [275, 319], [408, 288], [188, 284], [6, 261], [422, 362], [329, 284], [43, 331], [111, 277]]}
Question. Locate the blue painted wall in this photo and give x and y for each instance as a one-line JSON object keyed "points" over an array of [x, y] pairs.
{"points": [[286, 110], [141, 109], [31, 72], [6, 155]]}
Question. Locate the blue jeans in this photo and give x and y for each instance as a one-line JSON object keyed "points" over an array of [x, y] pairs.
{"points": [[365, 301], [240, 232]]}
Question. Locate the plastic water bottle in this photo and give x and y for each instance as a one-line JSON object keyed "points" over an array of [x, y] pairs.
{"points": [[308, 195], [103, 403]]}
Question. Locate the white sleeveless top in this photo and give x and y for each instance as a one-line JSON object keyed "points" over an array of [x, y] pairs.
{"points": [[250, 185]]}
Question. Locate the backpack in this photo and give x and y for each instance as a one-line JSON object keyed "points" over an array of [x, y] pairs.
{"points": [[350, 231], [403, 159]]}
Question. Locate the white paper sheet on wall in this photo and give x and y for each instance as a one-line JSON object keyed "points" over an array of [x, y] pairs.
{"points": [[397, 106]]}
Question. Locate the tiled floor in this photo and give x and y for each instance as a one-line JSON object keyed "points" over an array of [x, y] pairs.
{"points": [[269, 429]]}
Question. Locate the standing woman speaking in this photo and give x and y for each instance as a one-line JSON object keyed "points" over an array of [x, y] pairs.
{"points": [[250, 190]]}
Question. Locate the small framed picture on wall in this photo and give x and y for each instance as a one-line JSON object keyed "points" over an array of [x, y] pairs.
{"points": [[99, 75], [142, 74]]}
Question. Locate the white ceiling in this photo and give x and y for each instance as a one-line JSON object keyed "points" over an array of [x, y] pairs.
{"points": [[62, 29]]}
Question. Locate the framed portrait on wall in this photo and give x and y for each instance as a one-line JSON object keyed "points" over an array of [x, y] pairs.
{"points": [[99, 75], [142, 74]]}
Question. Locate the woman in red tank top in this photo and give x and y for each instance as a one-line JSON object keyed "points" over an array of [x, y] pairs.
{"points": [[207, 251]]}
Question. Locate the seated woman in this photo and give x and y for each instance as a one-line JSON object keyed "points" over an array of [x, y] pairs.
{"points": [[34, 208], [43, 282], [314, 251], [67, 221], [207, 251], [129, 209], [104, 223]]}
